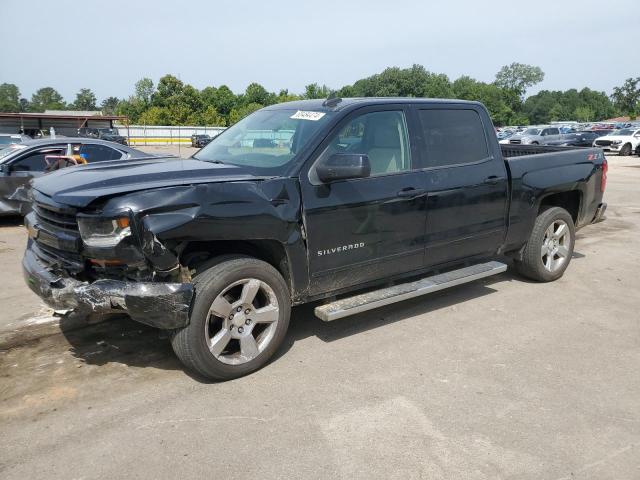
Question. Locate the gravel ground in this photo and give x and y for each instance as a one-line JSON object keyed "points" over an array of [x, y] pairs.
{"points": [[502, 378]]}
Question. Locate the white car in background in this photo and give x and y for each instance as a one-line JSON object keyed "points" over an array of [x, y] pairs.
{"points": [[623, 141]]}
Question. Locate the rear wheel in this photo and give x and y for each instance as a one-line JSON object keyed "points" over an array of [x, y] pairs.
{"points": [[550, 247], [239, 318], [625, 150]]}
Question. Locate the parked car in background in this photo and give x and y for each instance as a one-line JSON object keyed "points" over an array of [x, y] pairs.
{"points": [[535, 136], [19, 163], [108, 134], [200, 140], [622, 142], [12, 138], [577, 139], [504, 134]]}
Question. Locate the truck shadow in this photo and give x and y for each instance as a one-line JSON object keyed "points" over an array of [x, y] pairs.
{"points": [[305, 324], [121, 340], [11, 221]]}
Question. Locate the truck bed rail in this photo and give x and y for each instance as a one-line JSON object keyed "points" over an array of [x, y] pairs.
{"points": [[521, 150]]}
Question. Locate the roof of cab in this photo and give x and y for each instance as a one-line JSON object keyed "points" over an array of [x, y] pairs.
{"points": [[317, 104]]}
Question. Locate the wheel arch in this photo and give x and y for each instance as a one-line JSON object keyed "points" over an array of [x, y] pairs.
{"points": [[272, 252], [570, 200]]}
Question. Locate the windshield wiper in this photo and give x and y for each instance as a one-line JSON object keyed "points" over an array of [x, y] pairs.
{"points": [[210, 161]]}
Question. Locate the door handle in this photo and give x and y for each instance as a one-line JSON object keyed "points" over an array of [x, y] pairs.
{"points": [[493, 179], [410, 192]]}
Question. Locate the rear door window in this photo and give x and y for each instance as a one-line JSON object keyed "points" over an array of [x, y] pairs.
{"points": [[452, 137], [99, 153]]}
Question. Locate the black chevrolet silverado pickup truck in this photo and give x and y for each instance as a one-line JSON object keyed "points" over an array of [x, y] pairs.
{"points": [[354, 203]]}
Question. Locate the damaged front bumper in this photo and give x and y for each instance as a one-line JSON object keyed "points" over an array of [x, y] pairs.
{"points": [[161, 305]]}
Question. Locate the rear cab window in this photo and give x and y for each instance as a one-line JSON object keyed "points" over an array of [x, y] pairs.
{"points": [[452, 136]]}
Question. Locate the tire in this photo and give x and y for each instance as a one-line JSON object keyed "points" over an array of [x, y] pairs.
{"points": [[547, 268], [222, 342], [625, 150], [534, 143]]}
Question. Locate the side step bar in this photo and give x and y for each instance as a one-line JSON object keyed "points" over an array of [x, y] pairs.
{"points": [[385, 296]]}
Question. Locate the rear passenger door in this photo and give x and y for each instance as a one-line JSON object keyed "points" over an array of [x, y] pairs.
{"points": [[467, 186]]}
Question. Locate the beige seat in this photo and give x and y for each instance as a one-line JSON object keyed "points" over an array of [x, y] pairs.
{"points": [[385, 151]]}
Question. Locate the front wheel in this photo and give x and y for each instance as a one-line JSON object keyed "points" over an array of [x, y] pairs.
{"points": [[625, 150], [550, 247], [239, 319]]}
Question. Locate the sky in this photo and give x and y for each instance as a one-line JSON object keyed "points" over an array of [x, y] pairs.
{"points": [[108, 46]]}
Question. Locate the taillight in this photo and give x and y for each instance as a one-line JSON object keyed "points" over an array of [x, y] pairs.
{"points": [[603, 180]]}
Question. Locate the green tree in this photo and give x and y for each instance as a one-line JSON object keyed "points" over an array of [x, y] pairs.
{"points": [[46, 98], [156, 116], [224, 100], [314, 90], [256, 93], [211, 117], [239, 113], [168, 87], [583, 114], [415, 81], [144, 90], [493, 97], [9, 98], [285, 96], [627, 97], [109, 105], [85, 100], [208, 96], [518, 77]]}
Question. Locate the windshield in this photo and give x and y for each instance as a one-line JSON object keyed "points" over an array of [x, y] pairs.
{"points": [[266, 140], [624, 132], [531, 131]]}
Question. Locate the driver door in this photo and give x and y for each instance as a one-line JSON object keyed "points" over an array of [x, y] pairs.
{"points": [[365, 229]]}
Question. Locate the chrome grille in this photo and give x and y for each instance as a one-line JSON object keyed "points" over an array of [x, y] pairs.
{"points": [[57, 219]]}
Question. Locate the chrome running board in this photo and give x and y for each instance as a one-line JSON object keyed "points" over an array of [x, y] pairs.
{"points": [[385, 296]]}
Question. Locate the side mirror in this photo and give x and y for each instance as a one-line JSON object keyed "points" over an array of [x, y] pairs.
{"points": [[5, 169], [343, 166]]}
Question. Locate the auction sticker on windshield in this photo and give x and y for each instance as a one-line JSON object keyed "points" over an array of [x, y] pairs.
{"points": [[306, 115]]}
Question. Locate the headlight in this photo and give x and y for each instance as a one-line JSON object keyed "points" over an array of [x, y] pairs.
{"points": [[616, 142], [526, 140], [103, 232]]}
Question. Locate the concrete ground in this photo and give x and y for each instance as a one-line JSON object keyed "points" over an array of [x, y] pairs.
{"points": [[182, 151], [499, 379]]}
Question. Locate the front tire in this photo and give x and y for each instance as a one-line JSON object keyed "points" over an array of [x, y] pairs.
{"points": [[548, 252], [625, 150], [239, 318]]}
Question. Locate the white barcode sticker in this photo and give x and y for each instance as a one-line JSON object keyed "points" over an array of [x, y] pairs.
{"points": [[307, 115]]}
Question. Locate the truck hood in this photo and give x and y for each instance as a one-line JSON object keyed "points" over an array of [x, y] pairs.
{"points": [[80, 185]]}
